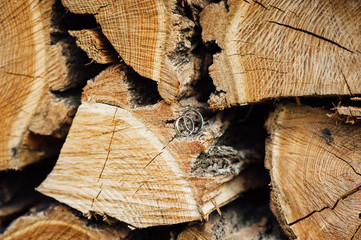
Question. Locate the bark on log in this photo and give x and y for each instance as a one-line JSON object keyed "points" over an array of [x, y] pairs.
{"points": [[153, 37], [282, 48], [58, 222], [32, 65], [128, 162], [315, 173]]}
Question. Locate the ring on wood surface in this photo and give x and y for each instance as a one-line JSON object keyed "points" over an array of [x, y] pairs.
{"points": [[185, 131], [197, 115], [185, 125]]}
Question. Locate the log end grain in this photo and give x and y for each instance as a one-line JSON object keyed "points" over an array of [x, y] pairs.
{"points": [[314, 166]]}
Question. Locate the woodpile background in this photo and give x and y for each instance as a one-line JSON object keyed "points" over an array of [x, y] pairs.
{"points": [[180, 119]]}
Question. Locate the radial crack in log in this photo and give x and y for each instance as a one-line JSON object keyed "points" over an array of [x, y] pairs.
{"points": [[128, 162], [282, 48], [341, 222], [315, 172], [153, 37]]}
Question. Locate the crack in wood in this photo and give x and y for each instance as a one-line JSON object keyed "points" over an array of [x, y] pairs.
{"points": [[346, 195], [103, 133], [279, 9], [349, 164], [347, 85], [161, 151], [308, 215], [110, 143], [262, 69], [21, 75], [103, 6], [96, 196], [260, 4], [312, 34], [357, 229], [141, 185]]}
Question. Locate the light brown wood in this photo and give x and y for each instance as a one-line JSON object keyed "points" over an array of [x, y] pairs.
{"points": [[246, 218], [95, 44], [153, 37], [128, 162], [282, 48], [29, 67], [349, 111], [53, 116], [314, 163], [58, 222]]}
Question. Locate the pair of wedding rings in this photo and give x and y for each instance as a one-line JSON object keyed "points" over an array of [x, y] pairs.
{"points": [[191, 122]]}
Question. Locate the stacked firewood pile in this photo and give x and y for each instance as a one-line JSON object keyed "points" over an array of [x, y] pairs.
{"points": [[180, 119]]}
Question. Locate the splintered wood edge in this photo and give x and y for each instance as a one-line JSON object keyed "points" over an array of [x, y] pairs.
{"points": [[349, 111], [96, 46], [153, 53], [255, 66], [227, 192], [58, 222], [330, 218]]}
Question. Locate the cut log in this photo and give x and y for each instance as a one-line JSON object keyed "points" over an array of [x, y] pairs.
{"points": [[282, 48], [26, 66], [153, 37], [127, 160], [58, 222], [32, 65], [315, 173]]}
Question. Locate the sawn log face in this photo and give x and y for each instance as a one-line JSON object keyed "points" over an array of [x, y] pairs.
{"points": [[315, 171], [282, 48]]}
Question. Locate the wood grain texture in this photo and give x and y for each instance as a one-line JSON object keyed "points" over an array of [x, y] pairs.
{"points": [[150, 36], [128, 162], [246, 218], [58, 222], [315, 173], [95, 44], [272, 49], [28, 67]]}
